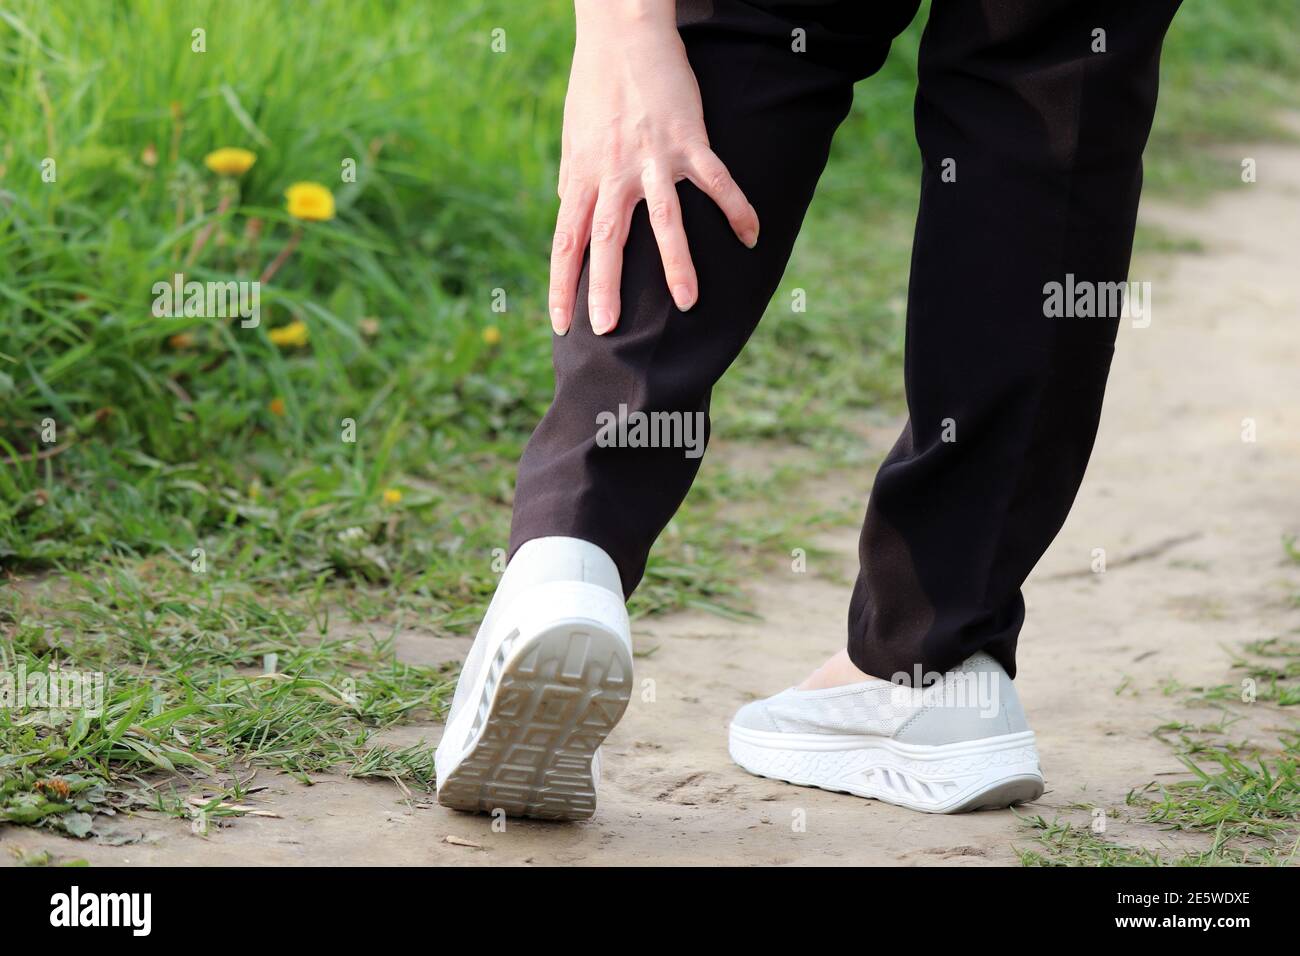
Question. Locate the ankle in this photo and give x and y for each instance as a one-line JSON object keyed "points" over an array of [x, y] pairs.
{"points": [[836, 672]]}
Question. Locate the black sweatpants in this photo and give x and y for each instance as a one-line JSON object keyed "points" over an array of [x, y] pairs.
{"points": [[1031, 126]]}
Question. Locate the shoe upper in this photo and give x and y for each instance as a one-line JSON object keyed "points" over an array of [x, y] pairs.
{"points": [[539, 561], [866, 708], [970, 702]]}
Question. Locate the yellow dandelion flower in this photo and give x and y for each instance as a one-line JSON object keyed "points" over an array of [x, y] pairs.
{"points": [[230, 161], [392, 496], [369, 326], [181, 340], [492, 335], [293, 335], [310, 201], [276, 407]]}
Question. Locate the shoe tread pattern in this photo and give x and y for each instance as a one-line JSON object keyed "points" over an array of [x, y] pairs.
{"points": [[542, 718]]}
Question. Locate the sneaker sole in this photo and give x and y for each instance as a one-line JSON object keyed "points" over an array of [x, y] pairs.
{"points": [[988, 774], [546, 707]]}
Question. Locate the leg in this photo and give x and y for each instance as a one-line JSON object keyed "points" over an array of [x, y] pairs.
{"points": [[1047, 140], [770, 111], [1047, 136], [550, 671]]}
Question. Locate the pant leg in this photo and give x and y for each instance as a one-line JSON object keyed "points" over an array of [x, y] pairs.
{"points": [[1003, 402], [772, 101]]}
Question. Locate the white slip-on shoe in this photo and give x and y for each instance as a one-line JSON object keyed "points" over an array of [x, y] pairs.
{"points": [[546, 680], [960, 744]]}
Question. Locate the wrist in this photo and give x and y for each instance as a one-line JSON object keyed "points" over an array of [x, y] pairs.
{"points": [[629, 14]]}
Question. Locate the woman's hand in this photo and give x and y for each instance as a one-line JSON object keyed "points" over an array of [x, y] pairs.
{"points": [[633, 129]]}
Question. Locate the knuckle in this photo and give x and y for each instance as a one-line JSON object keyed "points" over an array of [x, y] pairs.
{"points": [[661, 212], [719, 180], [616, 183], [599, 289], [676, 264], [603, 230], [563, 242]]}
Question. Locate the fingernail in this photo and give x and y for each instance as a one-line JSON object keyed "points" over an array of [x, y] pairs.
{"points": [[602, 320], [682, 296], [750, 238], [557, 321]]}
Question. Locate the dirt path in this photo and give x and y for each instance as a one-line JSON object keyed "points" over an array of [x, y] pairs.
{"points": [[1190, 517]]}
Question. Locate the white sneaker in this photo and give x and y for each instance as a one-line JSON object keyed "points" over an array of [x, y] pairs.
{"points": [[547, 678], [961, 744]]}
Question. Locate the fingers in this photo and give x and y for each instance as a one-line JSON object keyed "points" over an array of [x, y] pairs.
{"points": [[709, 173], [609, 224], [601, 216], [666, 221], [566, 255]]}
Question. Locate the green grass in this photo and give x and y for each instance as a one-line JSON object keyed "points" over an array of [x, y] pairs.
{"points": [[1239, 802], [1246, 812], [176, 435], [201, 680]]}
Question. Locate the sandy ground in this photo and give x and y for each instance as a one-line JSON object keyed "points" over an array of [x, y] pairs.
{"points": [[1190, 516]]}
